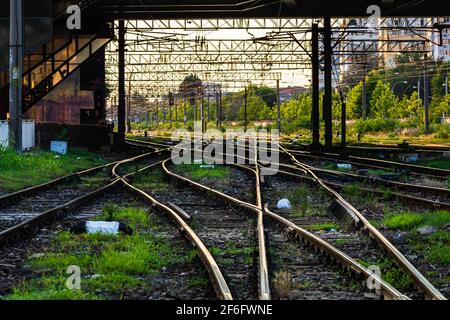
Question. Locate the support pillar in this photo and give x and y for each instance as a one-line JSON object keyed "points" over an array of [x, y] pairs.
{"points": [[364, 94], [278, 107], [426, 101], [129, 108], [209, 108], [217, 110], [343, 124], [184, 113], [245, 109], [220, 108], [327, 99], [202, 113], [315, 121], [15, 74], [121, 106]]}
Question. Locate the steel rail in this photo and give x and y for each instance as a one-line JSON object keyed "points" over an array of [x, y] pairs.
{"points": [[263, 265], [407, 198], [421, 282], [387, 291], [219, 283], [55, 212], [378, 163], [263, 283], [345, 261], [397, 185], [31, 190]]}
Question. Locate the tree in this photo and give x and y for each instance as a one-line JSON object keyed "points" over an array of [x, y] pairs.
{"points": [[255, 104], [383, 102], [440, 109], [191, 87], [269, 95], [405, 57], [410, 107], [354, 102]]}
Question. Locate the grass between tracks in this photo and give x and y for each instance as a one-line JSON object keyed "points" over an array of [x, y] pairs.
{"points": [[436, 246], [441, 163], [18, 171], [109, 264], [200, 171]]}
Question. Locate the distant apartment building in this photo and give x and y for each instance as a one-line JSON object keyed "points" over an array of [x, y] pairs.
{"points": [[361, 38], [441, 47], [396, 37]]}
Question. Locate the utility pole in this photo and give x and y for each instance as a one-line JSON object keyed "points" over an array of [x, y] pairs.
{"points": [[157, 112], [195, 109], [315, 88], [245, 109], [185, 112], [176, 108], [164, 115], [202, 112], [217, 109], [15, 74], [364, 94], [446, 84], [343, 123], [426, 97], [121, 106], [129, 107], [278, 107], [209, 109], [220, 108], [327, 100]]}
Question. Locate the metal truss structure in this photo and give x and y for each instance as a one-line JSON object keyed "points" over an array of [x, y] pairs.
{"points": [[160, 53]]}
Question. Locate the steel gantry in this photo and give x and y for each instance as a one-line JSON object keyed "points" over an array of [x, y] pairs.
{"points": [[161, 53]]}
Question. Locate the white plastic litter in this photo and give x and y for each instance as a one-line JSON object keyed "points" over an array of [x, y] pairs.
{"points": [[58, 146], [207, 166], [106, 227], [344, 166], [198, 161], [284, 204]]}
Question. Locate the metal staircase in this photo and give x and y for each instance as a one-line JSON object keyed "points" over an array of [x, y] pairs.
{"points": [[50, 64]]}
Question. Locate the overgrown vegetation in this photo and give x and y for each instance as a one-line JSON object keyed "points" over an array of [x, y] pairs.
{"points": [[110, 264], [323, 226], [199, 171], [390, 272], [409, 220], [435, 246], [151, 180], [18, 171]]}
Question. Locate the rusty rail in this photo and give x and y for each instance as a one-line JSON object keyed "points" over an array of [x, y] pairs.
{"points": [[422, 283]]}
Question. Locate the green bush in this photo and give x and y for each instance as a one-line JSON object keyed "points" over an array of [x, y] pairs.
{"points": [[376, 125], [441, 131], [303, 122]]}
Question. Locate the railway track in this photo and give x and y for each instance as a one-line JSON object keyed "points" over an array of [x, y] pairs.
{"points": [[376, 164], [119, 183], [228, 233], [363, 224], [320, 246], [410, 193], [27, 205], [263, 219], [424, 196]]}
